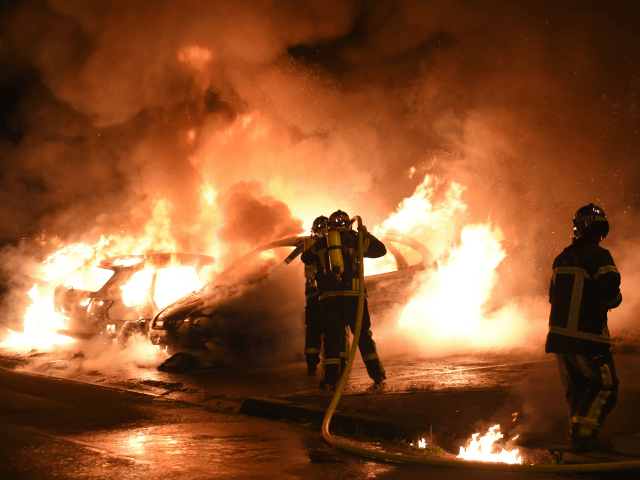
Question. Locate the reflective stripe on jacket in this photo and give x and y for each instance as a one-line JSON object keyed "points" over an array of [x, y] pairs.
{"points": [[585, 284]]}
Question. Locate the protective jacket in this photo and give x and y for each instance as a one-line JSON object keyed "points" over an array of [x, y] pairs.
{"points": [[310, 272], [347, 284], [585, 284], [314, 326]]}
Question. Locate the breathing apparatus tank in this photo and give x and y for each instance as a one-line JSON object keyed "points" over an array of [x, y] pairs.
{"points": [[334, 247], [338, 221]]}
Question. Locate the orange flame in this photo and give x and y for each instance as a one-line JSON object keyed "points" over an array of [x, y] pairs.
{"points": [[469, 272], [138, 289], [481, 449], [41, 321], [429, 215]]}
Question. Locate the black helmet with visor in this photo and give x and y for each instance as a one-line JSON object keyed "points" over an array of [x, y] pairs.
{"points": [[590, 222], [319, 225], [340, 221]]}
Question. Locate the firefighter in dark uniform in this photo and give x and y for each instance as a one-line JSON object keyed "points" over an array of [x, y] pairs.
{"points": [[338, 287], [314, 328], [313, 325], [584, 286]]}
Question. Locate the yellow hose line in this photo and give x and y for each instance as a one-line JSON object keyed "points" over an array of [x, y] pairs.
{"points": [[437, 462]]}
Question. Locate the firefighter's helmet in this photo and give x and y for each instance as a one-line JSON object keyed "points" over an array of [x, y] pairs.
{"points": [[340, 221], [319, 225], [590, 221]]}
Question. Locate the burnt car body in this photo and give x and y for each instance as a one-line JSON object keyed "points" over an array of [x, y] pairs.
{"points": [[218, 315], [93, 297]]}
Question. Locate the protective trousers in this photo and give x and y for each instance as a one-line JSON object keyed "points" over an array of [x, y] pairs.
{"points": [[337, 313], [314, 331], [591, 388]]}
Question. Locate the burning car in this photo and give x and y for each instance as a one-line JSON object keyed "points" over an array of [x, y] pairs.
{"points": [[231, 313], [127, 290]]}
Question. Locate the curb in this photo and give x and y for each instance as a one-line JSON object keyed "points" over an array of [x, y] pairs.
{"points": [[354, 424]]}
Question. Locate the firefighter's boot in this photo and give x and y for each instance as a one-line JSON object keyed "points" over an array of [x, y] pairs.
{"points": [[374, 368]]}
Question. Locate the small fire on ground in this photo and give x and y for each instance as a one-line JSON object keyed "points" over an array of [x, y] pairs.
{"points": [[421, 443], [482, 449]]}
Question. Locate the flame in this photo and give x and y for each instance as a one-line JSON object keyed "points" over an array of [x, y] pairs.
{"points": [[174, 283], [421, 443], [138, 290], [480, 449], [429, 215], [127, 261], [156, 236], [39, 321], [376, 266], [470, 271], [209, 195]]}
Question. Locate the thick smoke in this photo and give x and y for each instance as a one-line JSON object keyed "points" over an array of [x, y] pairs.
{"points": [[253, 219], [113, 107]]}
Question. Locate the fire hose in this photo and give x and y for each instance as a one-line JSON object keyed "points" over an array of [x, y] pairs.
{"points": [[438, 462]]}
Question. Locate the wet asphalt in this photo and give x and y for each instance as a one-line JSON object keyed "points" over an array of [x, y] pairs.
{"points": [[62, 420]]}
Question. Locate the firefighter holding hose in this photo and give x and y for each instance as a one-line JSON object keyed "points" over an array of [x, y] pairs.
{"points": [[584, 286], [337, 281], [314, 327]]}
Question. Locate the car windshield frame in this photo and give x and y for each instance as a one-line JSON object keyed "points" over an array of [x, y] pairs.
{"points": [[297, 242]]}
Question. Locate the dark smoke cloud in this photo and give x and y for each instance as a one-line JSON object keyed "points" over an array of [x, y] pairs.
{"points": [[253, 218], [98, 125], [116, 105]]}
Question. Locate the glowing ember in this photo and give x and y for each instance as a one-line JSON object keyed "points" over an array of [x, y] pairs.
{"points": [[481, 449]]}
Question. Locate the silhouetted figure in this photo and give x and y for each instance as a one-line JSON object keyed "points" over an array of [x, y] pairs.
{"points": [[338, 282], [314, 326], [584, 286]]}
